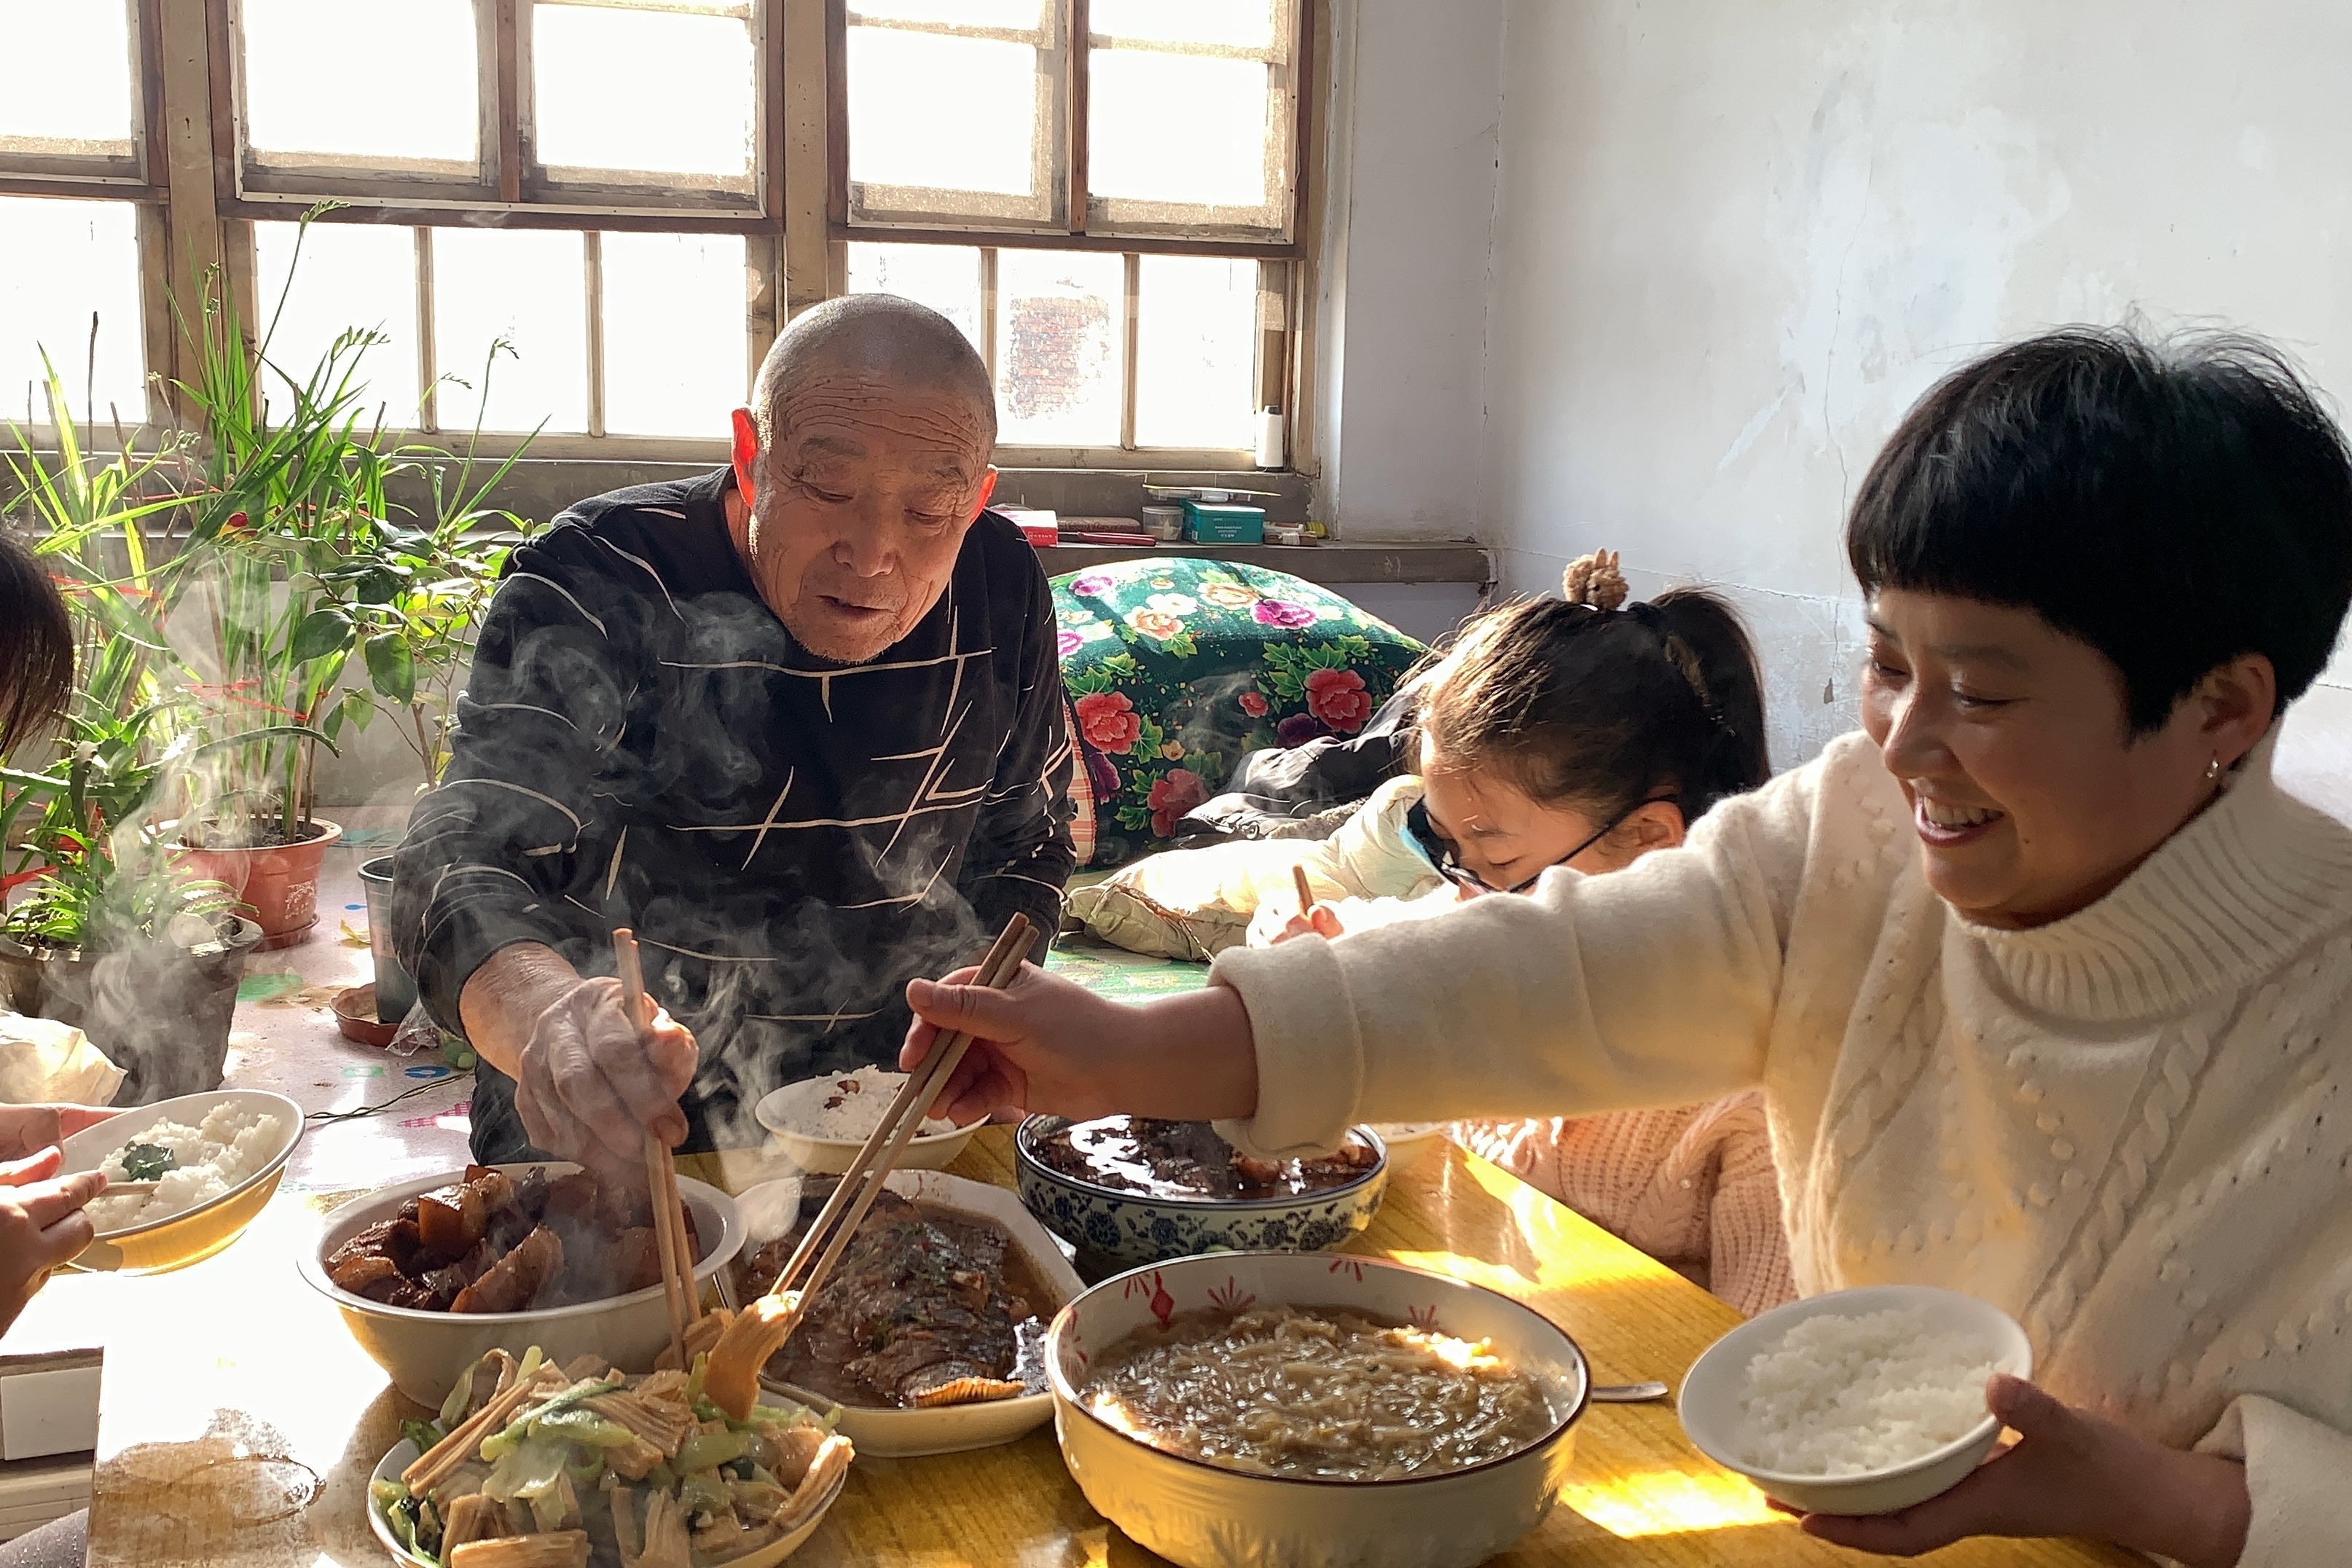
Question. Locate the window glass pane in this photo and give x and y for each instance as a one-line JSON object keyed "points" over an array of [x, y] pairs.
{"points": [[944, 277], [348, 275], [1241, 24], [1059, 346], [1196, 352], [676, 336], [311, 86], [80, 88], [527, 287], [1217, 156], [60, 262], [667, 93], [956, 114], [1022, 14]]}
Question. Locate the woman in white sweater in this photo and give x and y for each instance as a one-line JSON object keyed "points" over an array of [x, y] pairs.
{"points": [[2045, 980]]}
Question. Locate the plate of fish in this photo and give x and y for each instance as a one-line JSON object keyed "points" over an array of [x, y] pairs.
{"points": [[930, 1332]]}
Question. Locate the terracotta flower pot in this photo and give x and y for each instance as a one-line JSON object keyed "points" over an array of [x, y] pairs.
{"points": [[277, 883], [160, 1013]]}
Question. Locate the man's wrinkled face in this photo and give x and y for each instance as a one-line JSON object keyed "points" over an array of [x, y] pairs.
{"points": [[859, 512]]}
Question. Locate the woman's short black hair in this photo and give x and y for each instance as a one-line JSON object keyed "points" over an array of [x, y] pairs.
{"points": [[37, 644], [2174, 502]]}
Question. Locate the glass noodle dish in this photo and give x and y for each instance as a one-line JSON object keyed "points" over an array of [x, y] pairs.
{"points": [[1319, 1393], [533, 1466]]}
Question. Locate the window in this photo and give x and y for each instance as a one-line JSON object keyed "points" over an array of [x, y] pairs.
{"points": [[571, 216]]}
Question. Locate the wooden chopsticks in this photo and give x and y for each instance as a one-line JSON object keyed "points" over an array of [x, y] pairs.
{"points": [[1305, 890], [661, 1171], [883, 1147]]}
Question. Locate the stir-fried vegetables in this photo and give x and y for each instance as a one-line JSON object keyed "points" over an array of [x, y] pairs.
{"points": [[533, 1466]]}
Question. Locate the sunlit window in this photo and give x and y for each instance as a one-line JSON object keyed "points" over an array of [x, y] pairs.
{"points": [[70, 290], [362, 81], [996, 62], [510, 329], [665, 89], [676, 345], [1196, 352], [79, 101], [349, 278]]}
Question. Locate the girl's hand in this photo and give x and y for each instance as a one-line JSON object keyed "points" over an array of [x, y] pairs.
{"points": [[41, 1225], [1320, 919], [27, 1130], [2070, 1473], [1042, 1044]]}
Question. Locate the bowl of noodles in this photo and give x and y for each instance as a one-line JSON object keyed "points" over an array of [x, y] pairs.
{"points": [[1238, 1409]]}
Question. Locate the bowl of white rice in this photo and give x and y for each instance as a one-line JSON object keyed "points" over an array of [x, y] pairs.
{"points": [[214, 1159], [1857, 1402], [820, 1123]]}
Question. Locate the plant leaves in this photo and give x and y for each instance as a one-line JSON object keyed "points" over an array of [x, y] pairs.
{"points": [[391, 665], [321, 633]]}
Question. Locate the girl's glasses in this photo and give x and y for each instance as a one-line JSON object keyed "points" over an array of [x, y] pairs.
{"points": [[1441, 853]]}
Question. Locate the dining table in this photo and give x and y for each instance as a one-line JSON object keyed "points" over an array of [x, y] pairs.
{"points": [[239, 1422]]}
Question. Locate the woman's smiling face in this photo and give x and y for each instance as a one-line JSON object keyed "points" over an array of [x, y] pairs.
{"points": [[2031, 797]]}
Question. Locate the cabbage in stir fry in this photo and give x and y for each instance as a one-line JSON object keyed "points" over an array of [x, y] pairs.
{"points": [[533, 1466]]}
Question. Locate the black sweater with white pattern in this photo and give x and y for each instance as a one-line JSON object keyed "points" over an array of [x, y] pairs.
{"points": [[641, 742]]}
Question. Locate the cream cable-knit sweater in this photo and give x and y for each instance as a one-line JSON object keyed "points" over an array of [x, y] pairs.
{"points": [[2126, 1127]]}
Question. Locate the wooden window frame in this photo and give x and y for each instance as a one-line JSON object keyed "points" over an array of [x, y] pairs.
{"points": [[511, 188], [137, 177]]}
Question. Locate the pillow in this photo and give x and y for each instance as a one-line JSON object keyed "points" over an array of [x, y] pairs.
{"points": [[1186, 904], [1176, 667]]}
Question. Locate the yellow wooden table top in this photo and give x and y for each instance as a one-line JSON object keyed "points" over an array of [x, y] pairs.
{"points": [[239, 1422]]}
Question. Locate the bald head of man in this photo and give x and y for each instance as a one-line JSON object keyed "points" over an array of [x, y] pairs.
{"points": [[860, 464]]}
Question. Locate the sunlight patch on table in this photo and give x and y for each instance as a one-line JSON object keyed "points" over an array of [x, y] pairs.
{"points": [[1668, 1502]]}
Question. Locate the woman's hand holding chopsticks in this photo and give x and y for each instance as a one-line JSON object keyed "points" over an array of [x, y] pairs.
{"points": [[1044, 1045]]}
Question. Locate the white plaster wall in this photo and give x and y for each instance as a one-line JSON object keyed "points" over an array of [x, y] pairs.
{"points": [[1733, 240], [1401, 335]]}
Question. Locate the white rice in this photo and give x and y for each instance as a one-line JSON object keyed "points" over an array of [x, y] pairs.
{"points": [[1845, 1395], [849, 1105], [232, 1143]]}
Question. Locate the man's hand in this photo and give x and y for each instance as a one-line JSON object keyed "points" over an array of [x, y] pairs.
{"points": [[1044, 1045], [27, 1130], [2070, 1473], [41, 1224], [590, 1081]]}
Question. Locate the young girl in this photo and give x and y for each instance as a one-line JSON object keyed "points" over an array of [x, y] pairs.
{"points": [[1583, 732]]}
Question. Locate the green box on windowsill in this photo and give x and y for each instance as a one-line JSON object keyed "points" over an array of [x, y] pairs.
{"points": [[1206, 523]]}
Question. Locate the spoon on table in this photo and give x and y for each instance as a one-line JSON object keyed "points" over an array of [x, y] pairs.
{"points": [[1627, 1393]]}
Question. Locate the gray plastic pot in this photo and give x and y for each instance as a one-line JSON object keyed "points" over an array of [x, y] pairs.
{"points": [[395, 993], [160, 1013]]}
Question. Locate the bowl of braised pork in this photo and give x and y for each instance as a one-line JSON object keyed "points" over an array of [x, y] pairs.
{"points": [[1132, 1190], [928, 1336], [432, 1274]]}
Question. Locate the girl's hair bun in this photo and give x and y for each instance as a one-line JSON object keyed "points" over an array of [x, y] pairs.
{"points": [[1594, 580]]}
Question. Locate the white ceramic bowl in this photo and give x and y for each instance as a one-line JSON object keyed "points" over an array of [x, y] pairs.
{"points": [[177, 1240], [1204, 1516], [426, 1353], [1710, 1399], [1408, 1142], [780, 1108], [404, 1454], [769, 1210]]}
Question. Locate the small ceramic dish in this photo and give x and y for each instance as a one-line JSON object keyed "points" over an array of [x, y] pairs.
{"points": [[355, 1016], [1710, 1407], [769, 1210], [1408, 1142], [1135, 1228], [785, 1111], [194, 1233], [404, 1454], [1203, 1515], [425, 1352]]}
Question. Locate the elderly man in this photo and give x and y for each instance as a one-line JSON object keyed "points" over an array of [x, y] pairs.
{"points": [[797, 721]]}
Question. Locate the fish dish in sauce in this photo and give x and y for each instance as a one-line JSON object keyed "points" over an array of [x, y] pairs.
{"points": [[926, 1306], [1184, 1160]]}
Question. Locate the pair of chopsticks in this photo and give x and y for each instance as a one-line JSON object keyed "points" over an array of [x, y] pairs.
{"points": [[881, 1151], [678, 1290]]}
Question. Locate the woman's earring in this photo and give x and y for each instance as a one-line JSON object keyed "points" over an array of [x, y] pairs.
{"points": [[2213, 771]]}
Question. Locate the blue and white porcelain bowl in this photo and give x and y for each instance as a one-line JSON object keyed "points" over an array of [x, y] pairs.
{"points": [[1135, 1228]]}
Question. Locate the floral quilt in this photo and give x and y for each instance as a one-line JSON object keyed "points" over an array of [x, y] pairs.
{"points": [[1177, 667]]}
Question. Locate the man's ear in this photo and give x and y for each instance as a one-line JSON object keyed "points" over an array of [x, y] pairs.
{"points": [[987, 490], [746, 456]]}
